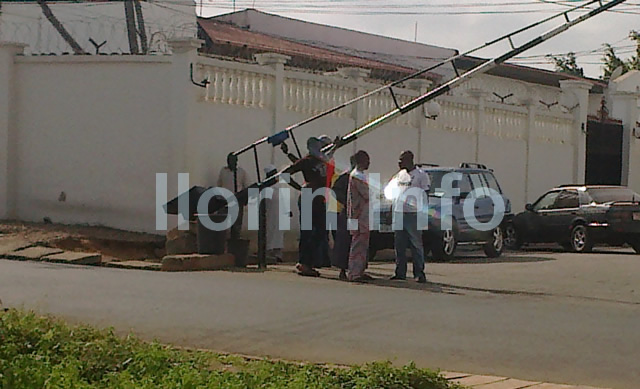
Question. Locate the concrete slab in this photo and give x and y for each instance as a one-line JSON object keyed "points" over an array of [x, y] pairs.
{"points": [[197, 262], [12, 243], [508, 384], [33, 253], [451, 375], [476, 380], [552, 386], [76, 258], [586, 387], [138, 265]]}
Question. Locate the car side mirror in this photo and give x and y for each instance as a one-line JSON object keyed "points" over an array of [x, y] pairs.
{"points": [[529, 207]]}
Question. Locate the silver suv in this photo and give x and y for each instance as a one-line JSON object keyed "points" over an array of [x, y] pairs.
{"points": [[443, 242]]}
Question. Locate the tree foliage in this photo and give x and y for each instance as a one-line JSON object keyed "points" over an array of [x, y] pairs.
{"points": [[567, 64], [611, 61]]}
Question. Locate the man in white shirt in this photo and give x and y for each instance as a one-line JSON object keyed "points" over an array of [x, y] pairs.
{"points": [[226, 180], [409, 204]]}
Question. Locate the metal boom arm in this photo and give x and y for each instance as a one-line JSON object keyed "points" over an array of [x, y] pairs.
{"points": [[483, 68], [421, 100], [288, 132]]}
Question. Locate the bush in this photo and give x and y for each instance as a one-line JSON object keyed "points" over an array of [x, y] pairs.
{"points": [[41, 352]]}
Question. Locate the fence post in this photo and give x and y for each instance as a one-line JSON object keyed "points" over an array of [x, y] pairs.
{"points": [[277, 62], [481, 99], [532, 110], [625, 107], [422, 86], [356, 75], [184, 97], [8, 128]]}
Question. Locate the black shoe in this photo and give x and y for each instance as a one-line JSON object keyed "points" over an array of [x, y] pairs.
{"points": [[422, 280], [398, 278]]}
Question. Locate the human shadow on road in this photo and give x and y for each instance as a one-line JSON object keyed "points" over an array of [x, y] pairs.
{"points": [[382, 279], [505, 258], [596, 250]]}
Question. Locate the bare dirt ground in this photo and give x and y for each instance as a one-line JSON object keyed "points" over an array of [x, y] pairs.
{"points": [[113, 244]]}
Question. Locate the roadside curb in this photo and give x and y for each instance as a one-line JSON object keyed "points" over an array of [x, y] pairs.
{"points": [[170, 263], [497, 382], [467, 380], [137, 265]]}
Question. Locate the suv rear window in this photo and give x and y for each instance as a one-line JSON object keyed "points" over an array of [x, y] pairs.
{"points": [[436, 182], [607, 195], [480, 184], [493, 183]]}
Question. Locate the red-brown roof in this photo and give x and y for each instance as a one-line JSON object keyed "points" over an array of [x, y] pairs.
{"points": [[225, 33]]}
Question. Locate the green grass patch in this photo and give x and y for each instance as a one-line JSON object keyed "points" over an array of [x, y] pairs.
{"points": [[42, 352]]}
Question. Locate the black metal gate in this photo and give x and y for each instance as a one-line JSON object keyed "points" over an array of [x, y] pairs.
{"points": [[604, 153]]}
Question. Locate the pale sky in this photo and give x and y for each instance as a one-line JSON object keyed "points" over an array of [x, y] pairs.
{"points": [[463, 24]]}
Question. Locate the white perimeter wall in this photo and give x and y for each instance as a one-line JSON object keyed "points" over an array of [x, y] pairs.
{"points": [[24, 22], [97, 129], [100, 128]]}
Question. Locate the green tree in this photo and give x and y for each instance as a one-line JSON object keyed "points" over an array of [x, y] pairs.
{"points": [[634, 61], [611, 61], [567, 64]]}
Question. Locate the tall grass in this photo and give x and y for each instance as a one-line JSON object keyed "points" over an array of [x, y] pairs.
{"points": [[42, 352]]}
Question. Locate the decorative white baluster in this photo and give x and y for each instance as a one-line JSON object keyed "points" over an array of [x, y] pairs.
{"points": [[246, 94], [210, 88], [239, 88]]}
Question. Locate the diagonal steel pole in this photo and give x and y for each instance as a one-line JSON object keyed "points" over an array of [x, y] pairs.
{"points": [[242, 196], [509, 37], [483, 68]]}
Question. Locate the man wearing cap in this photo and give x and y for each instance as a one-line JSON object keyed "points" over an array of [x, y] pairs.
{"points": [[313, 246]]}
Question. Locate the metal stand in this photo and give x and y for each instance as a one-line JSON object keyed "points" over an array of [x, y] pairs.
{"points": [[262, 236]]}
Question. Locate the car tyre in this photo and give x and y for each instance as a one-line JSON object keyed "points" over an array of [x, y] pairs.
{"points": [[511, 239], [580, 239], [636, 245], [566, 245], [444, 248], [494, 248]]}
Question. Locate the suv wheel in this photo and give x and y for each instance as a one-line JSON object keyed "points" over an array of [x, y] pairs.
{"points": [[493, 248], [580, 239], [511, 239], [444, 248], [636, 245]]}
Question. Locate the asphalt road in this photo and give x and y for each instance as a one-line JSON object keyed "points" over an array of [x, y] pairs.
{"points": [[556, 334]]}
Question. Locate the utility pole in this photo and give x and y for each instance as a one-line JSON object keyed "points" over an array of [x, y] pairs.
{"points": [[141, 30], [131, 26], [60, 28]]}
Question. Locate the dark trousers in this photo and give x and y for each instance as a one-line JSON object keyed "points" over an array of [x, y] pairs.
{"points": [[342, 243], [236, 228], [313, 247]]}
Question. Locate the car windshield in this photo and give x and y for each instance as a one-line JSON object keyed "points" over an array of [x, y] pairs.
{"points": [[608, 195]]}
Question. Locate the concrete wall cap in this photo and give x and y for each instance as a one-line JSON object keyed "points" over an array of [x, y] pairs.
{"points": [[419, 83], [477, 93], [183, 45], [271, 58], [575, 84], [354, 72], [18, 47]]}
